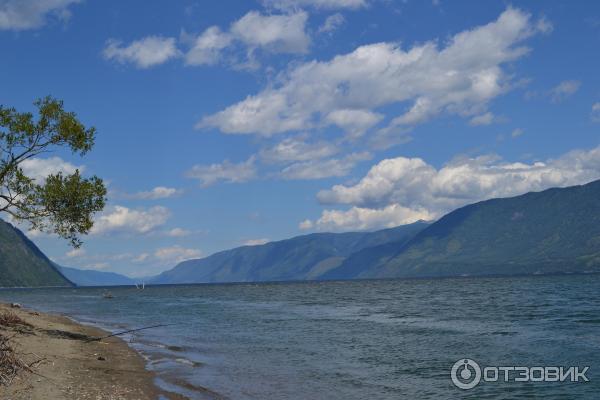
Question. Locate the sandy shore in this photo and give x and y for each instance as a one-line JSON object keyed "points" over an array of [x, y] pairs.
{"points": [[66, 366]]}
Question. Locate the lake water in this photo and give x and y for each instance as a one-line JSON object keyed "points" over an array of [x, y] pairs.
{"points": [[394, 339]]}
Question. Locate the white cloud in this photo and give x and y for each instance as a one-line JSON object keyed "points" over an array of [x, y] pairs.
{"points": [[207, 47], [306, 224], [159, 192], [332, 23], [256, 242], [564, 90], [410, 189], [75, 253], [40, 168], [176, 254], [225, 171], [282, 33], [277, 33], [123, 219], [517, 132], [30, 14], [358, 218], [320, 4], [297, 149], [144, 53], [354, 122], [596, 112], [544, 26], [178, 232], [458, 78], [319, 169], [482, 119]]}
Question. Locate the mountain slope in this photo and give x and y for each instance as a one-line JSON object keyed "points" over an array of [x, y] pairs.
{"points": [[23, 264], [299, 258], [554, 231], [84, 277]]}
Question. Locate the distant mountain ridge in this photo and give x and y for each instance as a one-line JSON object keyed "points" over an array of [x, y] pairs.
{"points": [[22, 264], [300, 258], [87, 277], [553, 231]]}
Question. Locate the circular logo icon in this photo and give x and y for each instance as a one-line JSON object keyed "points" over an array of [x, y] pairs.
{"points": [[465, 374]]}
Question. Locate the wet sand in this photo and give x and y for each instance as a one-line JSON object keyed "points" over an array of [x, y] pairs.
{"points": [[66, 365]]}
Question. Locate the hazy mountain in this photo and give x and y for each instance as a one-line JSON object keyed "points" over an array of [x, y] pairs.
{"points": [[84, 277], [23, 264], [299, 258], [554, 231]]}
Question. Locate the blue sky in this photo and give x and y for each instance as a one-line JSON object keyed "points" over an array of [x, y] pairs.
{"points": [[235, 122]]}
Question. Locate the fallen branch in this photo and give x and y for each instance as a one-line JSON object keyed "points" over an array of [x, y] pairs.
{"points": [[97, 339]]}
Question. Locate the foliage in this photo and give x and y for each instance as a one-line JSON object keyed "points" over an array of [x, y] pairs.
{"points": [[61, 204]]}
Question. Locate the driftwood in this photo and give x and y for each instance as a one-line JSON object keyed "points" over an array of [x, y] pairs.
{"points": [[10, 363]]}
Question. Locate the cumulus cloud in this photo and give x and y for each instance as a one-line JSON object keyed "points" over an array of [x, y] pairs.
{"points": [[123, 219], [461, 77], [409, 189], [319, 169], [144, 53], [207, 47], [40, 168], [278, 33], [225, 171], [564, 90], [159, 192], [30, 14], [358, 218], [176, 254], [332, 23], [319, 4]]}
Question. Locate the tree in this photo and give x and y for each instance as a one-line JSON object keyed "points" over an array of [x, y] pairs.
{"points": [[61, 204]]}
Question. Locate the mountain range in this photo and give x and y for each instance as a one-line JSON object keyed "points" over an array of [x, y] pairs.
{"points": [[548, 232], [22, 264], [554, 231], [88, 277], [300, 258]]}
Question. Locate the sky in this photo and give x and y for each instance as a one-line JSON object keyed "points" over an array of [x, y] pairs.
{"points": [[232, 123]]}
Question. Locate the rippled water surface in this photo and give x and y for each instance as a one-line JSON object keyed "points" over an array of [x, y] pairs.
{"points": [[395, 339]]}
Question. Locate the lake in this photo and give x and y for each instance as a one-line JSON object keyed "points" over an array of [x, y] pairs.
{"points": [[388, 339]]}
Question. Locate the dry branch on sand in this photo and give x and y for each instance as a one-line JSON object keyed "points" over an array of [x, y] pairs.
{"points": [[9, 320], [10, 364]]}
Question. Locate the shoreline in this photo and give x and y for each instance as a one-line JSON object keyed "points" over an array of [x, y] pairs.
{"points": [[65, 365]]}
